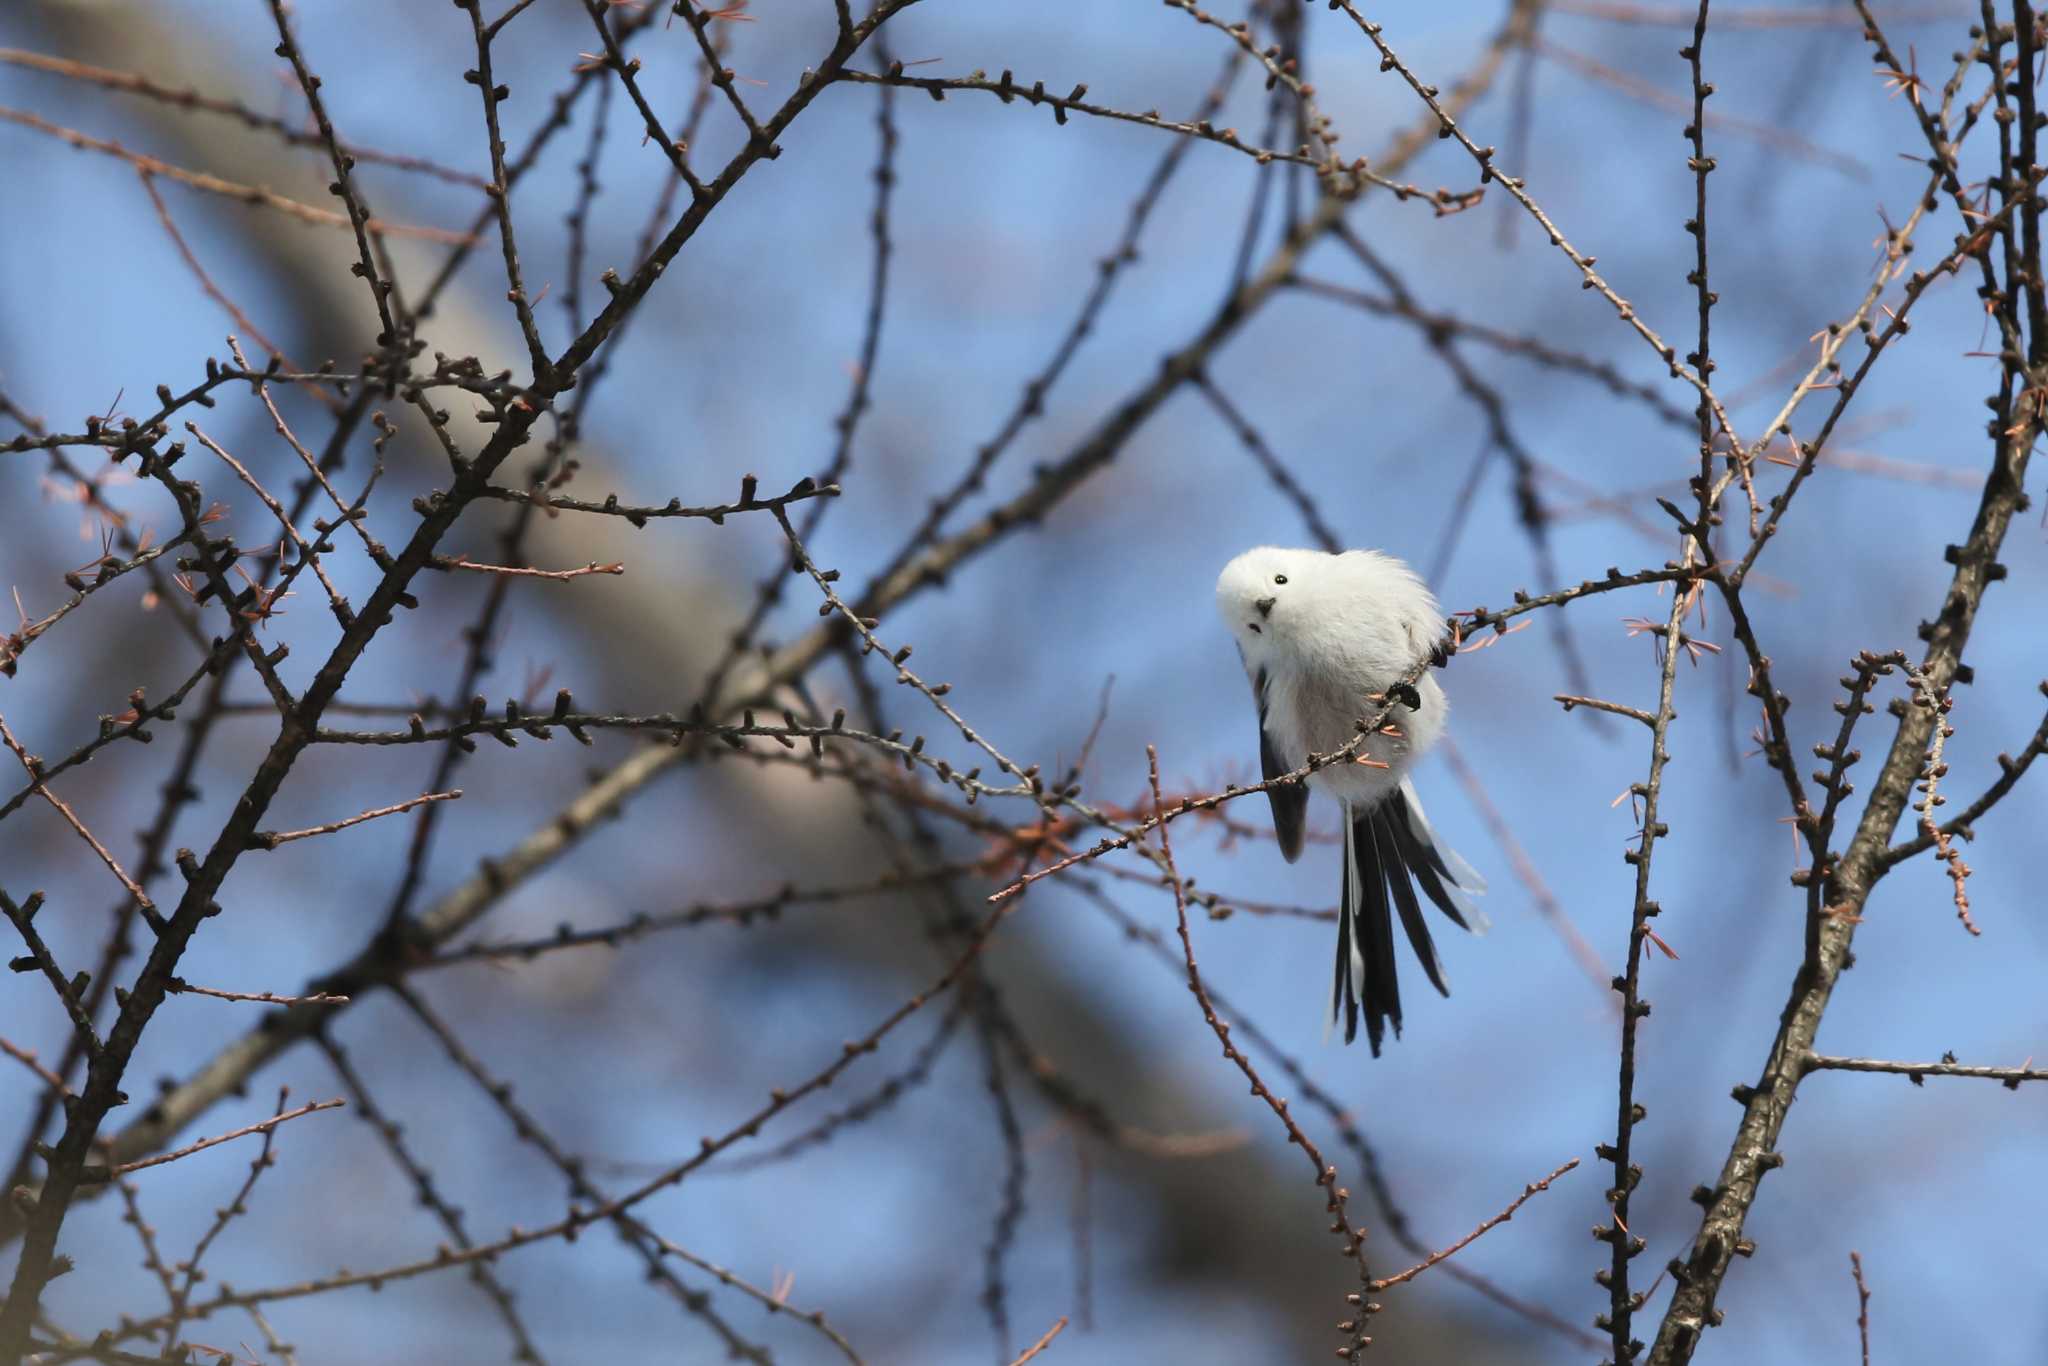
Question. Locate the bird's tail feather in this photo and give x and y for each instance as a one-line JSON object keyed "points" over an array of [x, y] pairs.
{"points": [[1451, 883], [1389, 848], [1350, 973]]}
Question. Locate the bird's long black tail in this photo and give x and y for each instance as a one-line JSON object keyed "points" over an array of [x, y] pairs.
{"points": [[1389, 848]]}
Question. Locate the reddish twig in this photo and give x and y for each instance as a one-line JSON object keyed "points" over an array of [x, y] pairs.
{"points": [[521, 571], [1597, 704], [181, 1294], [27, 1058], [1044, 1342], [133, 84], [307, 553], [206, 282], [1925, 695], [313, 467], [2011, 770], [261, 1127], [227, 189], [1326, 1175], [270, 839], [35, 769], [178, 985], [1454, 1249]]}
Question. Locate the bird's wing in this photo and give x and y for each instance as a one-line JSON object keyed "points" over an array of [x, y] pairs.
{"points": [[1290, 800]]}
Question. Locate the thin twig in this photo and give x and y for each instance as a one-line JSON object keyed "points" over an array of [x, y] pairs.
{"points": [[450, 562], [228, 189], [1353, 1240], [182, 1294], [500, 190], [314, 467], [27, 1058], [2011, 770], [206, 282], [178, 986], [130, 83], [39, 783], [392, 1135], [270, 839], [2010, 1077], [776, 1303], [261, 1127], [1044, 1342], [1925, 695], [1862, 1305], [1455, 1248], [551, 503], [381, 288], [1597, 704]]}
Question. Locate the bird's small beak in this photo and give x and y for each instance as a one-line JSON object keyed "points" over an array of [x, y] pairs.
{"points": [[1265, 606]]}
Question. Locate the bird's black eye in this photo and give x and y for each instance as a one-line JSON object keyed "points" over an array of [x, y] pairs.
{"points": [[1279, 578]]}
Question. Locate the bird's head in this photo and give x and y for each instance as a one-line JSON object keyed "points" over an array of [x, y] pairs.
{"points": [[1254, 592]]}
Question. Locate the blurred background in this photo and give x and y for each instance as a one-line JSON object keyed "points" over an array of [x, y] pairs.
{"points": [[1204, 1241]]}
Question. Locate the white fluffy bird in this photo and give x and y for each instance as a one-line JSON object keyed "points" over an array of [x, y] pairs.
{"points": [[1323, 638]]}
